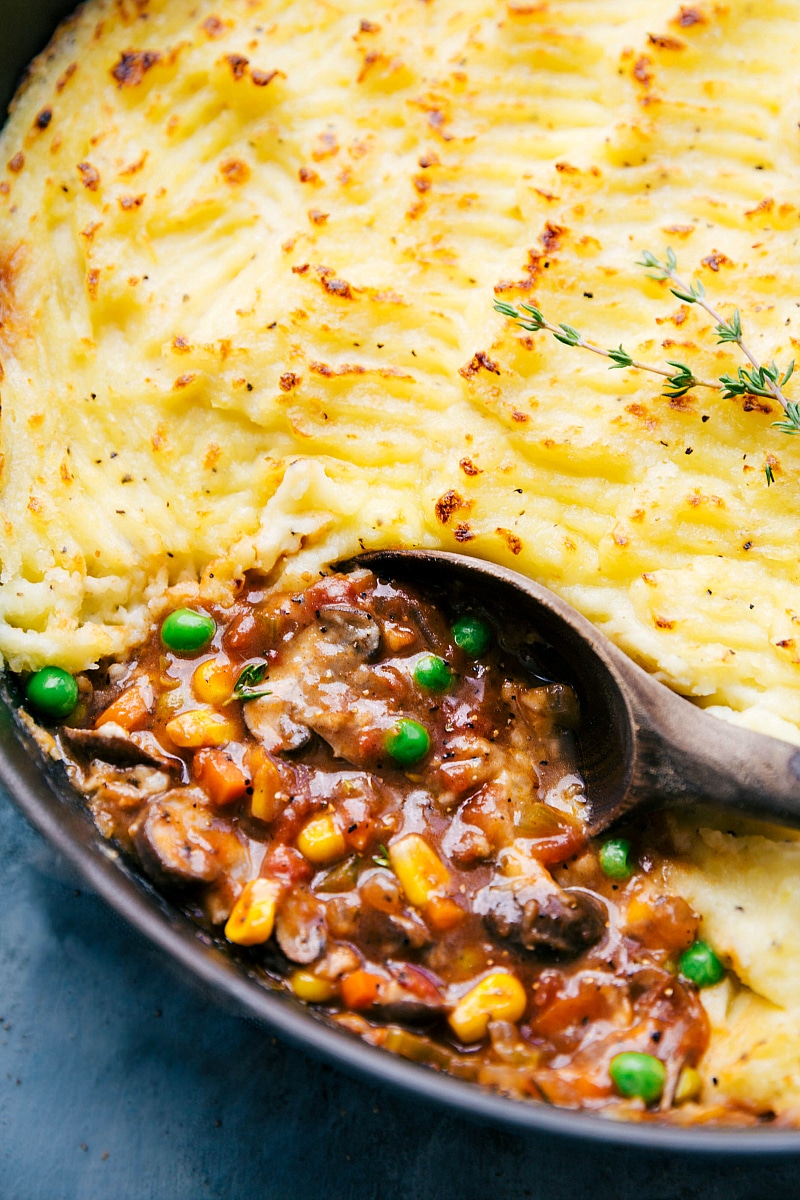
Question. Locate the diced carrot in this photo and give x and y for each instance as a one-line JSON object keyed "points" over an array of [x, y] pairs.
{"points": [[398, 637], [443, 913], [130, 710], [219, 775], [361, 989], [661, 922]]}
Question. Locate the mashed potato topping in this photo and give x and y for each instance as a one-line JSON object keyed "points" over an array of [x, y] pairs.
{"points": [[248, 252]]}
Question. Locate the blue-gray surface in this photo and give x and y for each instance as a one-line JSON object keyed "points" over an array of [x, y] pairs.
{"points": [[120, 1081]]}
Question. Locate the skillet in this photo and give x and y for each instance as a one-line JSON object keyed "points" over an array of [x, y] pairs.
{"points": [[40, 790]]}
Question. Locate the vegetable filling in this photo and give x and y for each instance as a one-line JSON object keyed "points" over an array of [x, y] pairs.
{"points": [[377, 793]]}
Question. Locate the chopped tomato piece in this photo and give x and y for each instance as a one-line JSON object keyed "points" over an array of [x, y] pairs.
{"points": [[286, 863]]}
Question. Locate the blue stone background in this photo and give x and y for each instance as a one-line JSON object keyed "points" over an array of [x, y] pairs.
{"points": [[120, 1080]]}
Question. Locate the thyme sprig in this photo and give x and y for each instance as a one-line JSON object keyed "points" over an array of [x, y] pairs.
{"points": [[247, 685], [679, 381], [759, 379], [764, 379]]}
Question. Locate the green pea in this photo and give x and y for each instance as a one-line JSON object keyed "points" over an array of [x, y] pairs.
{"points": [[52, 692], [635, 1074], [433, 673], [614, 859], [186, 631], [472, 635], [700, 964], [407, 742]]}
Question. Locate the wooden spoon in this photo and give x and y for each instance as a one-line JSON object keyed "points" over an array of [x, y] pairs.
{"points": [[639, 742]]}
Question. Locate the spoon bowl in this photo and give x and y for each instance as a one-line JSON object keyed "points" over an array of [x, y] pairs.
{"points": [[638, 742]]}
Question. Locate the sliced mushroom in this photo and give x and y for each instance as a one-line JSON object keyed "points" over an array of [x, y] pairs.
{"points": [[386, 924], [300, 927], [342, 915], [123, 788], [180, 839], [351, 627], [338, 962], [410, 995], [552, 704], [268, 720], [542, 917], [465, 844], [115, 745], [319, 685]]}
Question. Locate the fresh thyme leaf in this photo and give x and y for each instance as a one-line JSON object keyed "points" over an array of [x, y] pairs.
{"points": [[758, 379], [619, 358], [506, 309], [791, 422], [680, 383], [731, 331], [732, 387], [647, 260], [246, 687], [569, 336], [652, 263], [753, 383], [382, 859], [534, 312], [533, 325]]}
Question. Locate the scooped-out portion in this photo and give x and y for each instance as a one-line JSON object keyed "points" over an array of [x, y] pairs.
{"points": [[377, 793]]}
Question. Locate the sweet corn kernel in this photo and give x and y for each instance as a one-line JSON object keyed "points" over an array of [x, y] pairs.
{"points": [[311, 988], [500, 997], [690, 1084], [212, 682], [253, 914], [266, 801], [320, 840], [420, 870], [197, 728]]}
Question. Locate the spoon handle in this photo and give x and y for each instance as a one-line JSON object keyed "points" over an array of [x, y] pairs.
{"points": [[684, 754]]}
